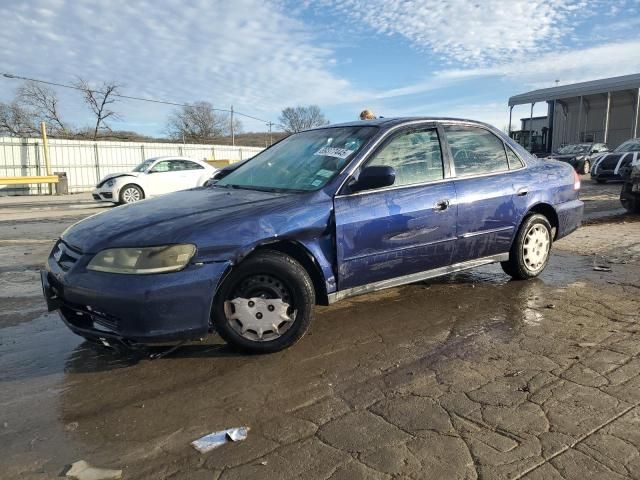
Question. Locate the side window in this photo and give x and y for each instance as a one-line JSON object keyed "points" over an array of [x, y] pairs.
{"points": [[476, 151], [162, 166], [415, 156], [514, 160], [192, 165]]}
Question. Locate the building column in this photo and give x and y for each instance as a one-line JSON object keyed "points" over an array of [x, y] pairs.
{"points": [[635, 124], [579, 120], [509, 126], [551, 120], [606, 118], [531, 128]]}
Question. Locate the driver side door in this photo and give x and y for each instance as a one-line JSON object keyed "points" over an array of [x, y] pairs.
{"points": [[403, 229]]}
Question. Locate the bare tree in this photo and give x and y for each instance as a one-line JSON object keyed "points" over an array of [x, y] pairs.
{"points": [[296, 119], [43, 103], [99, 101], [199, 122], [16, 121]]}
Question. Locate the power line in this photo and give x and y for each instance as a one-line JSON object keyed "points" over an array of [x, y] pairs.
{"points": [[128, 97]]}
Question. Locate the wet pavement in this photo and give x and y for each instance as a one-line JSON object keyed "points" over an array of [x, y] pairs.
{"points": [[467, 376]]}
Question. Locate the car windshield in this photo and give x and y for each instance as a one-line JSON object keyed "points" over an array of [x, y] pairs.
{"points": [[629, 146], [581, 148], [144, 166], [302, 162]]}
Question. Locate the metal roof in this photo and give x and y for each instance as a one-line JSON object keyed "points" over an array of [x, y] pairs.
{"points": [[603, 85]]}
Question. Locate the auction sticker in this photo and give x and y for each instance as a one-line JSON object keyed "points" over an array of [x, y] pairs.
{"points": [[334, 152]]}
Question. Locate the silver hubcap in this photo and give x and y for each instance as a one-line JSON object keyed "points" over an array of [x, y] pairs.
{"points": [[259, 319], [535, 249], [131, 195]]}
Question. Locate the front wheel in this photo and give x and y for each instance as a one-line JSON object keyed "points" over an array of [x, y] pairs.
{"points": [[131, 194], [530, 251], [265, 304]]}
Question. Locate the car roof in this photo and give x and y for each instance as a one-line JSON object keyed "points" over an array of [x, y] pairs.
{"points": [[172, 157], [386, 123]]}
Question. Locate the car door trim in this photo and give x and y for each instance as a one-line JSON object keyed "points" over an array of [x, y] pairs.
{"points": [[486, 232], [415, 277], [399, 249]]}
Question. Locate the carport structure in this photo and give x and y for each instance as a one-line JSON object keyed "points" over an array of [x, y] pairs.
{"points": [[605, 110]]}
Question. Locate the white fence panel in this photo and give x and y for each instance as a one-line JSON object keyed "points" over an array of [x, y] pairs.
{"points": [[86, 162]]}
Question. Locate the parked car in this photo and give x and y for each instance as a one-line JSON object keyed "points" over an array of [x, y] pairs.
{"points": [[608, 166], [579, 155], [320, 216], [154, 176], [630, 193]]}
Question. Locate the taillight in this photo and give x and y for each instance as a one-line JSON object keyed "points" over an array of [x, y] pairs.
{"points": [[576, 180]]}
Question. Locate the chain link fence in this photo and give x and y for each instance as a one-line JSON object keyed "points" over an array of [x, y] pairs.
{"points": [[86, 162]]}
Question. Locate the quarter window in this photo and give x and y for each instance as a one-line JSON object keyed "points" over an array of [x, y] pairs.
{"points": [[476, 151], [514, 160], [415, 156]]}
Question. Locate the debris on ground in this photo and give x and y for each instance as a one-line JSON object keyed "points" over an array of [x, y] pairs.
{"points": [[601, 268], [217, 439], [551, 306], [81, 470], [587, 344]]}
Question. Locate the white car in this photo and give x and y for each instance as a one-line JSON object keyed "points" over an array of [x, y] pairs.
{"points": [[154, 176]]}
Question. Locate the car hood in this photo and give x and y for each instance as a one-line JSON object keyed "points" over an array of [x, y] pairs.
{"points": [[117, 175], [214, 219]]}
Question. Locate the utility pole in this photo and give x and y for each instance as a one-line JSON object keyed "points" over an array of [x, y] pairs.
{"points": [[233, 137], [270, 135]]}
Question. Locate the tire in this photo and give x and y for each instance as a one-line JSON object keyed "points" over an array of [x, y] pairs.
{"points": [[586, 167], [630, 200], [130, 193], [526, 261], [261, 281]]}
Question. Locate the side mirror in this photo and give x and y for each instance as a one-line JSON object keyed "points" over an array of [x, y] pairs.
{"points": [[374, 177]]}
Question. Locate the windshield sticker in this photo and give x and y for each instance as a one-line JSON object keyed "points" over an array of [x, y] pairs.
{"points": [[324, 173], [316, 183], [334, 152]]}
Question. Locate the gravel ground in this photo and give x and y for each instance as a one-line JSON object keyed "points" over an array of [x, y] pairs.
{"points": [[467, 376]]}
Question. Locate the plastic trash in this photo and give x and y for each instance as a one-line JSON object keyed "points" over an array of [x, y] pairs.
{"points": [[81, 470], [216, 439]]}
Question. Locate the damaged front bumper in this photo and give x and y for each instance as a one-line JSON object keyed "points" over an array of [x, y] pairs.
{"points": [[133, 309]]}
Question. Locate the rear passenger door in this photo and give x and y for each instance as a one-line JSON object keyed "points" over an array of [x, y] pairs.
{"points": [[403, 229], [486, 187]]}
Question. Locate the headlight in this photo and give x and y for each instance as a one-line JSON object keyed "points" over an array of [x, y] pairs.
{"points": [[168, 258], [110, 183]]}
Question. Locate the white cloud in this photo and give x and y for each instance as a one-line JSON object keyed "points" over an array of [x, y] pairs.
{"points": [[568, 66], [247, 53], [469, 31]]}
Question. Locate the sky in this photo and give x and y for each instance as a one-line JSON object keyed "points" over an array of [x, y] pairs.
{"points": [[459, 58]]}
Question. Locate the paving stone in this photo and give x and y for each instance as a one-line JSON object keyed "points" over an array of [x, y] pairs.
{"points": [[527, 418], [291, 461], [360, 431], [498, 393], [414, 414], [355, 470], [575, 465], [442, 456], [323, 411], [286, 429], [393, 459]]}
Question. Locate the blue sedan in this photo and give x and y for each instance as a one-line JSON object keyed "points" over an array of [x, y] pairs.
{"points": [[320, 216]]}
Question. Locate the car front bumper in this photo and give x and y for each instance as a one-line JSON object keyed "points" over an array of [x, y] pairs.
{"points": [[105, 194], [133, 309]]}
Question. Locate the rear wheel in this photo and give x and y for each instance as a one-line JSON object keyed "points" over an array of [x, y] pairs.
{"points": [[131, 194], [265, 304], [529, 253]]}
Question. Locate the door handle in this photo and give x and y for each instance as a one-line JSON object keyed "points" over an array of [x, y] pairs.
{"points": [[441, 205], [521, 192]]}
